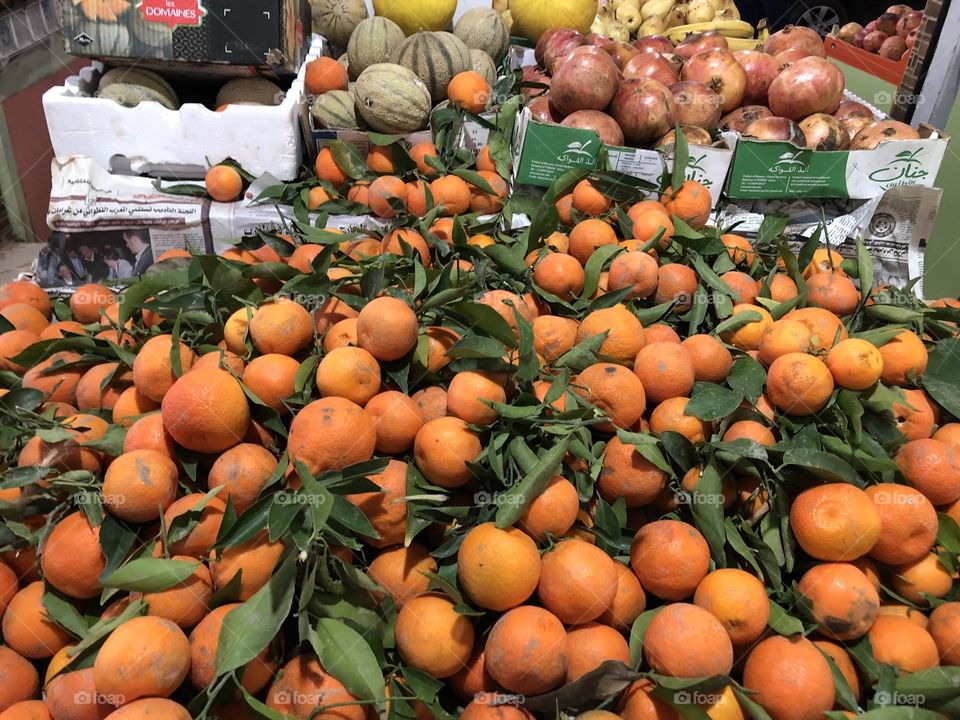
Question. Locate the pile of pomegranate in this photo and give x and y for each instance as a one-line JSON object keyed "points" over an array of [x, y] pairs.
{"points": [[636, 94], [892, 35]]}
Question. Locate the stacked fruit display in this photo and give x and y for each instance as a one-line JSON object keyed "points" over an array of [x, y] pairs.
{"points": [[624, 19], [389, 82], [892, 35], [635, 94], [443, 469]]}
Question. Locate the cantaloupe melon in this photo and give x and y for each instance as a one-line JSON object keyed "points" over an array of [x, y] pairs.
{"points": [[416, 15], [391, 99], [484, 29], [434, 57], [374, 41], [483, 64], [337, 19], [335, 110], [250, 91], [131, 86]]}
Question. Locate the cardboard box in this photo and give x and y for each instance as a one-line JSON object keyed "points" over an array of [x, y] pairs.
{"points": [[221, 35], [542, 153], [894, 227], [769, 170], [92, 207], [153, 140]]}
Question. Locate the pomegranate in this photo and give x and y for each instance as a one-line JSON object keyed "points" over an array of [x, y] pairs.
{"points": [[701, 42], [586, 80], [848, 31], [532, 74], [873, 41], [600, 41], [855, 124], [852, 108], [887, 23], [858, 38], [911, 38], [761, 69], [824, 132], [909, 22], [648, 65], [794, 36], [696, 105], [674, 61], [899, 9], [622, 53], [693, 136], [877, 132], [776, 128], [653, 44], [559, 47], [543, 111], [809, 86], [720, 71], [541, 47], [740, 119], [870, 26], [601, 123], [644, 109], [893, 48], [789, 57]]}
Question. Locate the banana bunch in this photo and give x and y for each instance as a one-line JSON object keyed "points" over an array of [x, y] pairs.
{"points": [[740, 35]]}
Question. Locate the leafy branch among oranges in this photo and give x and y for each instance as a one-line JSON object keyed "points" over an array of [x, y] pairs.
{"points": [[614, 463]]}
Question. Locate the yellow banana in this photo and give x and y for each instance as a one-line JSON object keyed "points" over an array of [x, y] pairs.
{"points": [[727, 28], [744, 44]]}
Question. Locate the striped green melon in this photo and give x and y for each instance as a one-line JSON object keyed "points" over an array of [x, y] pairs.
{"points": [[374, 41], [131, 86], [434, 57], [483, 64], [391, 99], [337, 19], [484, 29], [335, 110]]}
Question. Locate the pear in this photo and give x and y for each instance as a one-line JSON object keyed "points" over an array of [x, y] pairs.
{"points": [[630, 17], [618, 31], [653, 26], [676, 17], [700, 11]]}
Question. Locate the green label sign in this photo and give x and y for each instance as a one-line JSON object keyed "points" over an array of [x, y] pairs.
{"points": [[769, 170], [551, 150]]}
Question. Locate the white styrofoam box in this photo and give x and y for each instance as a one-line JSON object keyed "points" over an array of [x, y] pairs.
{"points": [[150, 139]]}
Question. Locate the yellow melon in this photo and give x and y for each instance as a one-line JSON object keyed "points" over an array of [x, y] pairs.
{"points": [[532, 18], [415, 15]]}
